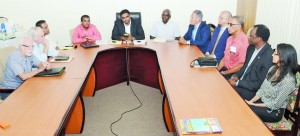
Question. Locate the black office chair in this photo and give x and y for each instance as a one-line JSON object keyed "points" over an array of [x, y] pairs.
{"points": [[134, 15]]}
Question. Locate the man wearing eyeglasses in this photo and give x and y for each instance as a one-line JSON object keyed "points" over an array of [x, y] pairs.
{"points": [[217, 44], [198, 32], [21, 65], [127, 27], [165, 29], [53, 47], [236, 47], [258, 61]]}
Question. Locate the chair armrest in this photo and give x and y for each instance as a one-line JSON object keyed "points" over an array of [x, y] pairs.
{"points": [[2, 90]]}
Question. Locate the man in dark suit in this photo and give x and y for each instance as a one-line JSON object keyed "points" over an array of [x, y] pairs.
{"points": [[198, 33], [127, 25], [217, 44], [258, 61]]}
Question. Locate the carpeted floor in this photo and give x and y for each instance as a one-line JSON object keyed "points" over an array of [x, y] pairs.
{"points": [[108, 104]]}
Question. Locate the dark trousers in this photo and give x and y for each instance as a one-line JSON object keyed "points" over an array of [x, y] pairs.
{"points": [[226, 76], [245, 94], [265, 115]]}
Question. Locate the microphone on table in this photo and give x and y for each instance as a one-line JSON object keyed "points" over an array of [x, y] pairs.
{"points": [[126, 35]]}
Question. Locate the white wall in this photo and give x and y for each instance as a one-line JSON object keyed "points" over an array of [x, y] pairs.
{"points": [[63, 15], [282, 18]]}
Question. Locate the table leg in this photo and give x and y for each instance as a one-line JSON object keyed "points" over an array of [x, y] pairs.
{"points": [[89, 89], [76, 118]]}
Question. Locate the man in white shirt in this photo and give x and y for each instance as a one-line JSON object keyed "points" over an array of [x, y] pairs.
{"points": [[165, 29], [53, 48], [41, 45]]}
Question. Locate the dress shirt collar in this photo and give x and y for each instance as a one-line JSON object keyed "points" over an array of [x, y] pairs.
{"points": [[197, 25]]}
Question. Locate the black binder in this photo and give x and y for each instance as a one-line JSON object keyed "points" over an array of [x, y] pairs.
{"points": [[52, 72]]}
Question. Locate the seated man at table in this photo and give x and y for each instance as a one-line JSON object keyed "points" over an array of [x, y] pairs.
{"points": [[236, 47], [127, 25], [165, 29], [40, 44], [216, 46], [85, 32], [53, 48], [258, 61], [198, 33], [21, 65]]}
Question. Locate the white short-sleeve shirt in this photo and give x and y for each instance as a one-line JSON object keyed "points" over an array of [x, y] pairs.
{"points": [[168, 31]]}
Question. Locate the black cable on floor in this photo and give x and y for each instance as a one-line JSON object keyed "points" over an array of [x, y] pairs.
{"points": [[126, 111], [127, 65]]}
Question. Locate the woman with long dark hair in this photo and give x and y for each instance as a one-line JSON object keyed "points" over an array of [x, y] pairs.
{"points": [[272, 97]]}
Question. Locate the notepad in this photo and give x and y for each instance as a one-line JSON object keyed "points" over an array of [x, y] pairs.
{"points": [[52, 72], [200, 126], [66, 48]]}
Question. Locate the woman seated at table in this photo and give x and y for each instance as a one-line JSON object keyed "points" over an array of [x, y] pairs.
{"points": [[272, 97]]}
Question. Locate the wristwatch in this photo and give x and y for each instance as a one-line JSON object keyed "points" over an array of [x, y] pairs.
{"points": [[222, 72]]}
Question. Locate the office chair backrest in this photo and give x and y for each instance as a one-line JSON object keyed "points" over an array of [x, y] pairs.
{"points": [[134, 15], [5, 53]]}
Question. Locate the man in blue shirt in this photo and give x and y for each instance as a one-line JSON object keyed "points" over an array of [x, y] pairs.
{"points": [[20, 66], [198, 33]]}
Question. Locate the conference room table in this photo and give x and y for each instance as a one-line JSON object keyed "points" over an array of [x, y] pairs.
{"points": [[54, 105]]}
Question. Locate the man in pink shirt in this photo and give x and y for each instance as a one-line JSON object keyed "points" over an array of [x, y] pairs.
{"points": [[85, 32], [236, 48]]}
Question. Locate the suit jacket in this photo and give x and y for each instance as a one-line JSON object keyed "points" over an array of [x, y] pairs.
{"points": [[257, 71], [219, 51], [202, 36], [136, 30]]}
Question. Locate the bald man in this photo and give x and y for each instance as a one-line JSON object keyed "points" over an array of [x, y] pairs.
{"points": [[20, 66]]}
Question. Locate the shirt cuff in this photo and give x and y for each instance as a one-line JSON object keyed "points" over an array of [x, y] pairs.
{"points": [[215, 56], [188, 42], [207, 53], [237, 83]]}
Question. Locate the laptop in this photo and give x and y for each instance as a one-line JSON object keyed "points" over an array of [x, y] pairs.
{"points": [[52, 72], [89, 44]]}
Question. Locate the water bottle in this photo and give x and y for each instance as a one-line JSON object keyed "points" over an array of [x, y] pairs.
{"points": [[3, 29]]}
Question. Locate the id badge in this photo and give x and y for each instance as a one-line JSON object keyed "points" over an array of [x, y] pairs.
{"points": [[233, 49]]}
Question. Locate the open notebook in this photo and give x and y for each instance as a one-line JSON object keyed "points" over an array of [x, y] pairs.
{"points": [[52, 72]]}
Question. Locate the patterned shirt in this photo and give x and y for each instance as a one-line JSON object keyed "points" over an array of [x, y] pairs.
{"points": [[276, 96]]}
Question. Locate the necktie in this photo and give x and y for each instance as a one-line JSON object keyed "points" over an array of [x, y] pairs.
{"points": [[194, 33], [216, 43]]}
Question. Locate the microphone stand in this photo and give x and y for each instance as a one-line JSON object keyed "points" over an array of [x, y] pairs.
{"points": [[127, 58]]}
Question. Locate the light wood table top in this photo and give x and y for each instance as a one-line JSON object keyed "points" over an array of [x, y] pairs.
{"points": [[39, 107]]}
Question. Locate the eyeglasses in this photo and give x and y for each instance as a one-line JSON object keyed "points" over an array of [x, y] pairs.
{"points": [[231, 24], [31, 47]]}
